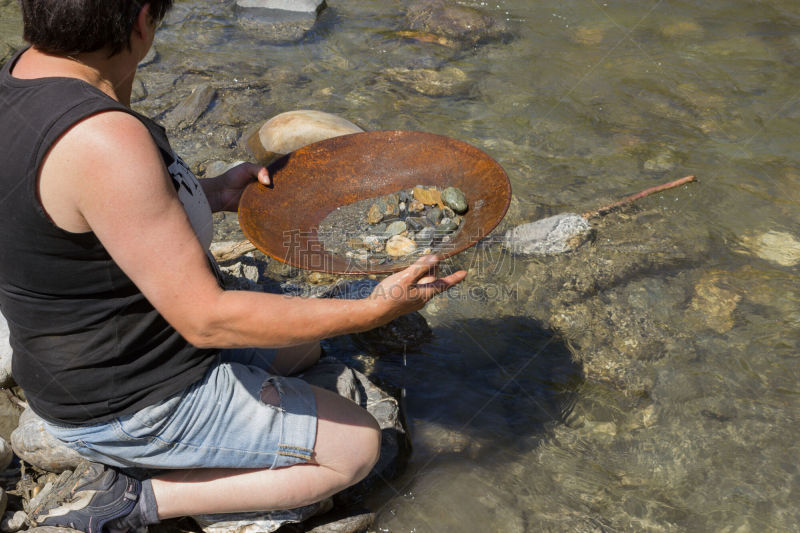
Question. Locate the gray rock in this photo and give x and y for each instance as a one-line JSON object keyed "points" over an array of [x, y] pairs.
{"points": [[549, 236], [13, 522], [6, 380], [276, 25], [262, 522], [396, 228], [352, 521], [304, 6], [191, 108], [35, 445], [454, 199]]}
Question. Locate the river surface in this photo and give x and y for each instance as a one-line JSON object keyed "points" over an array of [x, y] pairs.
{"points": [[648, 381]]}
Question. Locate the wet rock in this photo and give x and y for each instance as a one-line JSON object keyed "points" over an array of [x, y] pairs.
{"points": [[398, 246], [395, 228], [454, 21], [777, 247], [305, 6], [190, 109], [662, 162], [35, 445], [374, 243], [415, 206], [455, 200], [278, 21], [425, 236], [6, 379], [447, 81], [415, 223], [549, 236], [375, 213], [434, 216], [289, 131], [428, 196], [713, 304]]}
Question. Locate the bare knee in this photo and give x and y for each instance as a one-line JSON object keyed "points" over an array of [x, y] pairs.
{"points": [[348, 437]]}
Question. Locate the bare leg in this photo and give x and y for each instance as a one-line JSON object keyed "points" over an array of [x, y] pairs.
{"points": [[294, 359], [346, 449]]}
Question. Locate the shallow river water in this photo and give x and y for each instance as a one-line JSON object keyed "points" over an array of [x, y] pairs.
{"points": [[649, 380]]}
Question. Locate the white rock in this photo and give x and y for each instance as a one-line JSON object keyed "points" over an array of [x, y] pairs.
{"points": [[289, 131], [13, 522], [304, 6], [6, 380], [34, 444], [553, 235]]}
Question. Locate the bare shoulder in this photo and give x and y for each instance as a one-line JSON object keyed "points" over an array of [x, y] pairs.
{"points": [[105, 153]]}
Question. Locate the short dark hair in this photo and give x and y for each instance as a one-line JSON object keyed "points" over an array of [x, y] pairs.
{"points": [[70, 27]]}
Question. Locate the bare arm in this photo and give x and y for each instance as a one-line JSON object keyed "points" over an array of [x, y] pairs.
{"points": [[112, 179]]}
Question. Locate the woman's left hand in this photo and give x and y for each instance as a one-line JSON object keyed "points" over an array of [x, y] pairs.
{"points": [[224, 192]]}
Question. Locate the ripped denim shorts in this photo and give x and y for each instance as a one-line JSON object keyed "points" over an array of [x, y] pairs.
{"points": [[219, 422]]}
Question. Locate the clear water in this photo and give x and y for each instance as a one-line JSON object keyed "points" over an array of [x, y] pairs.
{"points": [[648, 382]]}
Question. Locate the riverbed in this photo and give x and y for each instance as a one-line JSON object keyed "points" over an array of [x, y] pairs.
{"points": [[647, 381]]}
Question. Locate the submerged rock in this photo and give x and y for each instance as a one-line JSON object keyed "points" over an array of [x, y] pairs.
{"points": [[190, 109], [35, 445], [777, 247], [448, 81], [549, 236], [289, 131], [278, 21], [714, 304], [455, 21]]}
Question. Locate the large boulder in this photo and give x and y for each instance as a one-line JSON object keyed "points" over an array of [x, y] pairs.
{"points": [[289, 131], [6, 380], [35, 445]]}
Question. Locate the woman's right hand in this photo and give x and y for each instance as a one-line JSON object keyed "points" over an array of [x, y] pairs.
{"points": [[410, 289]]}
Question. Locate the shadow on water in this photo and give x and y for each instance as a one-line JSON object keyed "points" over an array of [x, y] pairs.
{"points": [[482, 390]]}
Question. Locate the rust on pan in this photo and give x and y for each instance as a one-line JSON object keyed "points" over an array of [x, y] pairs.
{"points": [[282, 220]]}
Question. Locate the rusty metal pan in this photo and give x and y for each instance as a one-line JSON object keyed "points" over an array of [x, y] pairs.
{"points": [[282, 220]]}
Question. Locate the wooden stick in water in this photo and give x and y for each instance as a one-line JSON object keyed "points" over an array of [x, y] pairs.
{"points": [[633, 197]]}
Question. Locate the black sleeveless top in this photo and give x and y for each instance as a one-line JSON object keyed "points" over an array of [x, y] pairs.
{"points": [[87, 345]]}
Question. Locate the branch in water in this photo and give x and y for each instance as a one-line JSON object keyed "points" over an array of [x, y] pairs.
{"points": [[633, 197]]}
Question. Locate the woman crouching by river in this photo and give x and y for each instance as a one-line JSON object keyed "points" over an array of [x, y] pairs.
{"points": [[123, 339]]}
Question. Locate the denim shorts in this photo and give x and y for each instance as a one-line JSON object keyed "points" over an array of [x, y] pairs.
{"points": [[219, 422]]}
